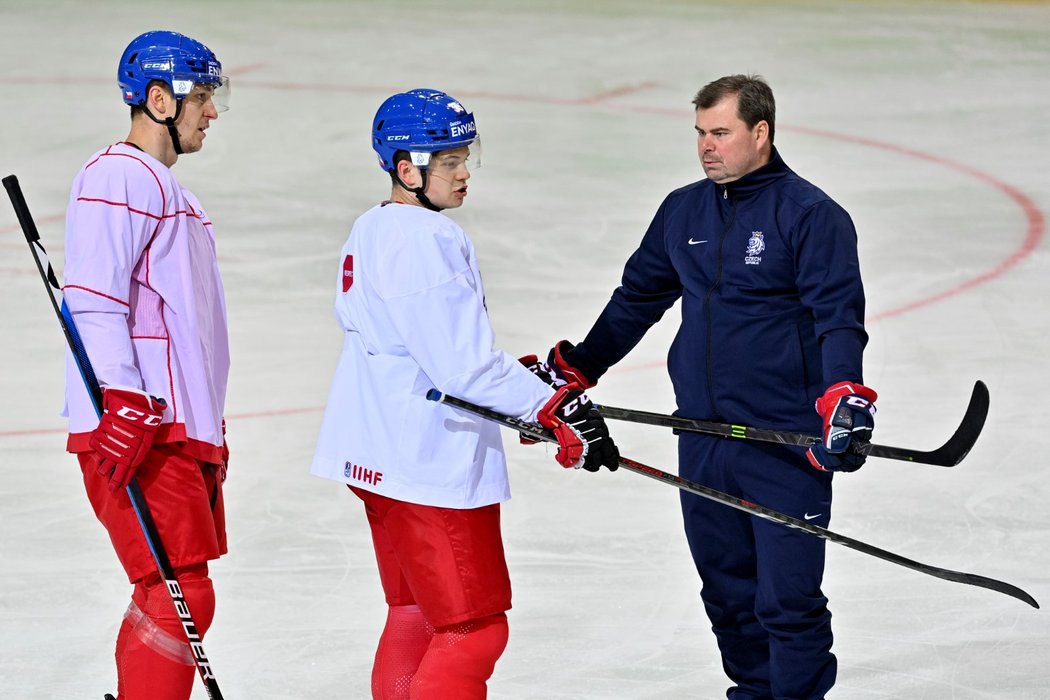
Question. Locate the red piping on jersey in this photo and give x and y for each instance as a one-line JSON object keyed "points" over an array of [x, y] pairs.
{"points": [[163, 197], [171, 375], [120, 204], [132, 209], [95, 292]]}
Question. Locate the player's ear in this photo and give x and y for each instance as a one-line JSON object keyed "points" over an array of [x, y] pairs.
{"points": [[408, 173], [160, 102]]}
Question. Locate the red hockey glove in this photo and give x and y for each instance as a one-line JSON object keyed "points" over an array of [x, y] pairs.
{"points": [[546, 375], [565, 371], [583, 437], [125, 432], [847, 410]]}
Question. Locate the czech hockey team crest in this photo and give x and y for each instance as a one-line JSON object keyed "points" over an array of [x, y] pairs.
{"points": [[755, 245], [348, 273]]}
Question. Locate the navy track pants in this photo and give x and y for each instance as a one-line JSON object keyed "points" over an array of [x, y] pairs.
{"points": [[761, 580]]}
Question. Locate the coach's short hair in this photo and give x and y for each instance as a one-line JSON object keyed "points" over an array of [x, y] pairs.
{"points": [[755, 101]]}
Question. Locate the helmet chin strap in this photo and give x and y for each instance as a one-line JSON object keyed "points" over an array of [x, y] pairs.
{"points": [[170, 123], [174, 134], [420, 191]]}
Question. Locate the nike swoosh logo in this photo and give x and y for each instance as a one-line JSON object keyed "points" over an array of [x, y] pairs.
{"points": [[807, 516], [692, 242]]}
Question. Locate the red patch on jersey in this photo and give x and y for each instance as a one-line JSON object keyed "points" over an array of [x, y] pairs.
{"points": [[348, 273]]}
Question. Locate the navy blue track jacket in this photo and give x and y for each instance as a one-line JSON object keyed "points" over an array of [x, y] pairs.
{"points": [[772, 300]]}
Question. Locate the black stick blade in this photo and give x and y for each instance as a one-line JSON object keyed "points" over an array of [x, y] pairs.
{"points": [[947, 455], [958, 445]]}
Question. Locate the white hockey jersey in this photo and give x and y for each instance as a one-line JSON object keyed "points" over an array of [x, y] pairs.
{"points": [[142, 282], [410, 301]]}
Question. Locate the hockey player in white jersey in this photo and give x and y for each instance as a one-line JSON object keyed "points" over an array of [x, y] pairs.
{"points": [[410, 301], [142, 282]]}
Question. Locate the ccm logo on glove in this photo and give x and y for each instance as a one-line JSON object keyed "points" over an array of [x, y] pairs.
{"points": [[124, 435], [847, 410], [134, 416]]}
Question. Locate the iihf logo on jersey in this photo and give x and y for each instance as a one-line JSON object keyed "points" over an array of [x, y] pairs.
{"points": [[348, 273], [755, 245], [359, 473]]}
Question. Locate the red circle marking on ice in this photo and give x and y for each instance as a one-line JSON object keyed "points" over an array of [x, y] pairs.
{"points": [[1034, 234], [1036, 223]]}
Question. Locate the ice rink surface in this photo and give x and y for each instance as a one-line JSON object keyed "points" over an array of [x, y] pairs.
{"points": [[926, 120]]}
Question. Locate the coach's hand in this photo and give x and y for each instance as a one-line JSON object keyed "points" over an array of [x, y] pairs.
{"points": [[847, 410], [558, 360]]}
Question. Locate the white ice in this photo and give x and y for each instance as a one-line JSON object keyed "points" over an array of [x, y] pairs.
{"points": [[926, 120]]}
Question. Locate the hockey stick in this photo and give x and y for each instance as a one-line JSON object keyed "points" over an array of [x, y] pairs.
{"points": [[138, 501], [535, 431], [947, 455]]}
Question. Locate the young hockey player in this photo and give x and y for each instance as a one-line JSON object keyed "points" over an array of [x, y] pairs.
{"points": [[431, 478]]}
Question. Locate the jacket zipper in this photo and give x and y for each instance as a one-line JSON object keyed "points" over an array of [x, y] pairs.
{"points": [[707, 302]]}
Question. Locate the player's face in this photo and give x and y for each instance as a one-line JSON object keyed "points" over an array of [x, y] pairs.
{"points": [[728, 149], [198, 109], [447, 177]]}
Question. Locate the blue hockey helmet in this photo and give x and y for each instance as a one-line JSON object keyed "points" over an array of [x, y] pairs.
{"points": [[175, 59], [422, 122]]}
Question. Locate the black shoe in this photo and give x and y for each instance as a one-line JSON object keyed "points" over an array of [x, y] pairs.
{"points": [[108, 697]]}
